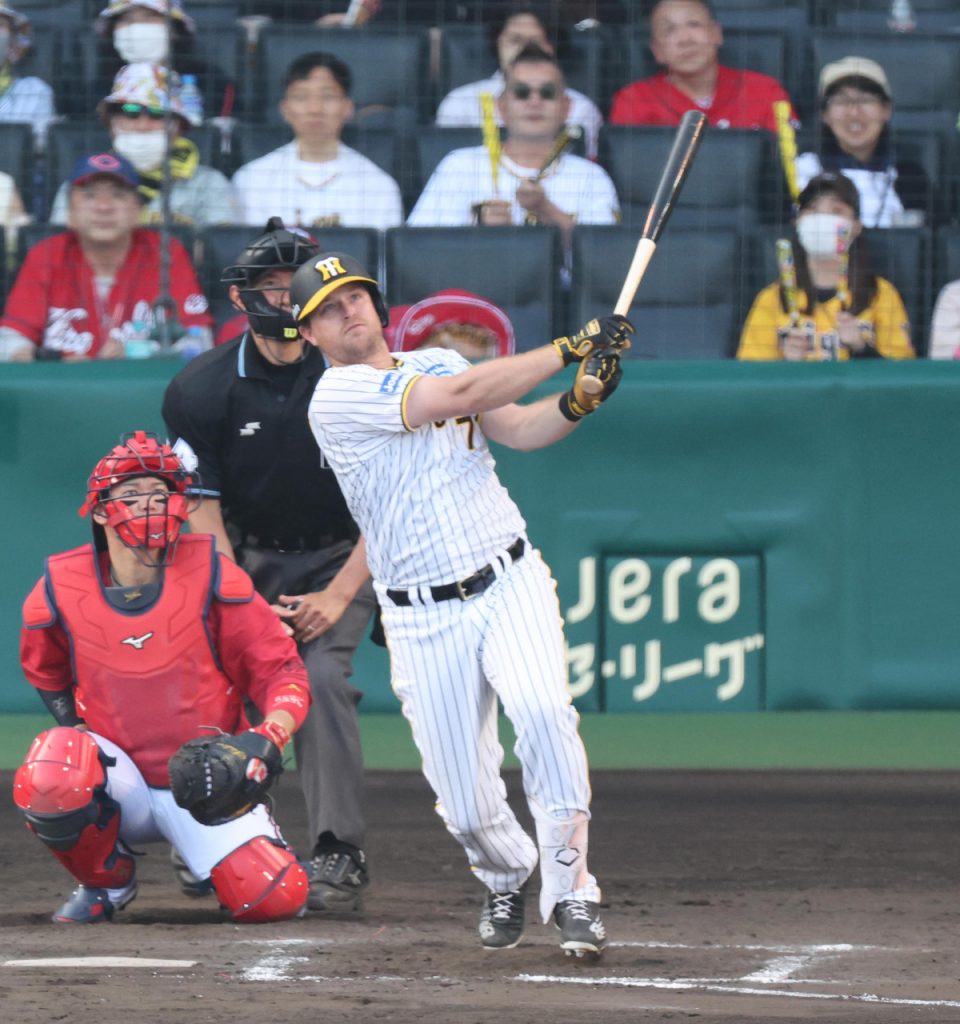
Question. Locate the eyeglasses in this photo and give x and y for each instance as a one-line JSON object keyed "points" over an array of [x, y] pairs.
{"points": [[846, 101], [522, 91], [133, 110]]}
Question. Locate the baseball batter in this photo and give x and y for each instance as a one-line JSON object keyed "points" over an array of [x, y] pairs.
{"points": [[139, 643], [469, 609]]}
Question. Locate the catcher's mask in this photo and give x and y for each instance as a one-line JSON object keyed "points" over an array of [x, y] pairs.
{"points": [[279, 248], [145, 521], [315, 280]]}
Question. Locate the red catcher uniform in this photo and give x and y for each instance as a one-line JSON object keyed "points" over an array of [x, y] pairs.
{"points": [[55, 302], [150, 680], [743, 99]]}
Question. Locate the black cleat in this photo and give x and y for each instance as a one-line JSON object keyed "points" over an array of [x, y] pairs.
{"points": [[581, 930], [337, 879], [501, 920]]}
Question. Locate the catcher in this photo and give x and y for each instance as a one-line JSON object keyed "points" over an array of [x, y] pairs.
{"points": [[145, 646]]}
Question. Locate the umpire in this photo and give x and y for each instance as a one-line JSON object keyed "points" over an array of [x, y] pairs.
{"points": [[240, 412]]}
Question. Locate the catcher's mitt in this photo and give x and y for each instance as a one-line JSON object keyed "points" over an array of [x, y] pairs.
{"points": [[218, 778]]}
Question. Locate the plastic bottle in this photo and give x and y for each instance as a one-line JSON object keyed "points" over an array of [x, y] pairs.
{"points": [[901, 16], [191, 99], [139, 345], [192, 343]]}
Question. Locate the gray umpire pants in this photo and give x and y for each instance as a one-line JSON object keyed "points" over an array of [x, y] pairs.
{"points": [[327, 745]]}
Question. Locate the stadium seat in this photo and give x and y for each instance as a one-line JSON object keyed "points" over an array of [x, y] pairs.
{"points": [[729, 184], [17, 158], [687, 304], [220, 247], [431, 145], [390, 69], [518, 268]]}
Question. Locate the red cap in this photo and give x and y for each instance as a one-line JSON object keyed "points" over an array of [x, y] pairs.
{"points": [[411, 325]]}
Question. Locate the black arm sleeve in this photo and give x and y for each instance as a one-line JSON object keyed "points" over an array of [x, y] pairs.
{"points": [[62, 705]]}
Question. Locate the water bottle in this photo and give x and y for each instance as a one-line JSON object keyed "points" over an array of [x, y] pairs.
{"points": [[192, 343], [191, 99], [139, 344], [901, 16]]}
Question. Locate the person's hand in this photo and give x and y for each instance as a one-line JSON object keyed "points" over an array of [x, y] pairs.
{"points": [[112, 349], [494, 212], [311, 615], [848, 331], [795, 343], [532, 196]]}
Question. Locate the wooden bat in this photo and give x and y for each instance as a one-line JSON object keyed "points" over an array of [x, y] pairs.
{"points": [[674, 174], [787, 144], [788, 279]]}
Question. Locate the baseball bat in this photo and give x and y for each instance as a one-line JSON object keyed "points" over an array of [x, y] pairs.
{"points": [[788, 279], [674, 174]]}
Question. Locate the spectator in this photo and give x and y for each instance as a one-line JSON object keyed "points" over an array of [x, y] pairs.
{"points": [[12, 212], [839, 314], [134, 114], [855, 108], [531, 183], [315, 180], [945, 325], [135, 31], [520, 28], [685, 39], [23, 100], [467, 323], [82, 293]]}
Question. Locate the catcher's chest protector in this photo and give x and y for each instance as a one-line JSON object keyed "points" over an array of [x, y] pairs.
{"points": [[148, 680]]}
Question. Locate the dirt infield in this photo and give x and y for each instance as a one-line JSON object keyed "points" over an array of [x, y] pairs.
{"points": [[731, 897]]}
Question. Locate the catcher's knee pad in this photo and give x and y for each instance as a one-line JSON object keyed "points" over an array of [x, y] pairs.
{"points": [[60, 790], [261, 881]]}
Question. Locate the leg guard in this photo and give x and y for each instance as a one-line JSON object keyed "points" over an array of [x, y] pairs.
{"points": [[563, 859], [60, 790], [261, 881]]}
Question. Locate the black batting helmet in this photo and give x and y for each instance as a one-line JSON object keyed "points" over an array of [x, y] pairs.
{"points": [[315, 280], [278, 248]]}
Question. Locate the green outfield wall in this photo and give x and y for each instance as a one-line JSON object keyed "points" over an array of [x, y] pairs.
{"points": [[727, 538]]}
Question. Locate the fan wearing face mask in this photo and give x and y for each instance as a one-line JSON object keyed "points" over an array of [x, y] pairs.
{"points": [[135, 31], [842, 309], [135, 115], [27, 100]]}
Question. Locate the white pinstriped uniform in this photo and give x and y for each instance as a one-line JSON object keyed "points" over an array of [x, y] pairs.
{"points": [[432, 511]]}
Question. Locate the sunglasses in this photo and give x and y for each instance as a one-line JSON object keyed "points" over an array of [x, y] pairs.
{"points": [[522, 91], [132, 110]]}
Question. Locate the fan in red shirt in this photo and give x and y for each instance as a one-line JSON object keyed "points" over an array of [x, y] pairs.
{"points": [[685, 39], [138, 643], [84, 292]]}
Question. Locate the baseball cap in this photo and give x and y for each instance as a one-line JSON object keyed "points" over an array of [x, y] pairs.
{"points": [[117, 7], [414, 324], [147, 85], [854, 67], [104, 165]]}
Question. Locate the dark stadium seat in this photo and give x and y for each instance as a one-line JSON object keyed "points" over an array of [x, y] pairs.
{"points": [[431, 145], [390, 70], [17, 157], [730, 184], [220, 247], [686, 306], [518, 268]]}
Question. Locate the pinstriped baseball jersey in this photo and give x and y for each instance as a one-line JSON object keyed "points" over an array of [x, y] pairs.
{"points": [[427, 501]]}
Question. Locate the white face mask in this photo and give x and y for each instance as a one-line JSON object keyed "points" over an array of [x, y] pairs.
{"points": [[145, 150], [818, 233], [4, 45], [141, 41]]}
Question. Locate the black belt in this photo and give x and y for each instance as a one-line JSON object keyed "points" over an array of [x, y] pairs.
{"points": [[463, 589], [291, 545]]}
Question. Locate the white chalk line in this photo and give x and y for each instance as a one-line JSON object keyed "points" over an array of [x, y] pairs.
{"points": [[703, 985]]}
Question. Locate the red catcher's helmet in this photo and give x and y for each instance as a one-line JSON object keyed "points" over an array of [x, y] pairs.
{"points": [[140, 524]]}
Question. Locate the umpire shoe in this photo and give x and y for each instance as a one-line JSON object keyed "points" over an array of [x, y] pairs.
{"points": [[338, 877], [88, 905], [581, 930], [501, 920]]}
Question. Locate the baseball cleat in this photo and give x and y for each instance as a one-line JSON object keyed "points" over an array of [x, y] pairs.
{"points": [[337, 879], [581, 930], [190, 884], [88, 905], [501, 920]]}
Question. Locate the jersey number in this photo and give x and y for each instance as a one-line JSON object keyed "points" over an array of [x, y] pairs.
{"points": [[460, 421]]}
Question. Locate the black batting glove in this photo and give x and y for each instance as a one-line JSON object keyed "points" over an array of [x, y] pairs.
{"points": [[606, 331], [597, 378]]}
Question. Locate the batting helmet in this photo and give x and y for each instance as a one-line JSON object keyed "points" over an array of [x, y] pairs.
{"points": [[315, 280], [278, 248], [140, 524]]}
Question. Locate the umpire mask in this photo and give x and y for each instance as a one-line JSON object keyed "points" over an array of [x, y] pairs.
{"points": [[279, 248]]}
